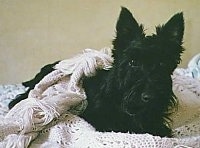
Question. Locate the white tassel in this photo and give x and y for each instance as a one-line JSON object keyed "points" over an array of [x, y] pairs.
{"points": [[89, 61], [34, 114], [39, 115], [48, 112], [16, 141]]}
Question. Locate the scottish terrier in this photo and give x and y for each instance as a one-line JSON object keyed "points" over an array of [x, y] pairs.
{"points": [[135, 95]]}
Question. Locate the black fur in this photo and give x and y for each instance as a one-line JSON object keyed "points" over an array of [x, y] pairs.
{"points": [[136, 94], [31, 83]]}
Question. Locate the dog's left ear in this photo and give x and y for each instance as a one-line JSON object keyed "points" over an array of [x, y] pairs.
{"points": [[173, 29], [127, 30]]}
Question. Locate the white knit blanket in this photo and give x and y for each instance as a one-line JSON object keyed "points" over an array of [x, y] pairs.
{"points": [[49, 117]]}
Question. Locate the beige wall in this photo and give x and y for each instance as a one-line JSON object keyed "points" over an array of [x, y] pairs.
{"points": [[36, 32]]}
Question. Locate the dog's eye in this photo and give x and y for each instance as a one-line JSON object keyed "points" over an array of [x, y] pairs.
{"points": [[133, 63]]}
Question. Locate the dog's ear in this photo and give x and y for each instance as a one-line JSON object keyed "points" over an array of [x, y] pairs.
{"points": [[127, 30], [173, 29], [172, 38]]}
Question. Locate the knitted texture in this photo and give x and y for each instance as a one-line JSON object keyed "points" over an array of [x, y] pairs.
{"points": [[49, 117], [71, 131], [186, 120], [186, 86]]}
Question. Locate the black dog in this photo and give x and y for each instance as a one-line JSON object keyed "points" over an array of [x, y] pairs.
{"points": [[136, 94]]}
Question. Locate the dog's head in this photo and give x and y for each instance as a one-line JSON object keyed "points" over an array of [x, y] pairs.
{"points": [[143, 64]]}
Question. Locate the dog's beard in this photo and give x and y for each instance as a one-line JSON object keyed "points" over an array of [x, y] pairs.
{"points": [[145, 95]]}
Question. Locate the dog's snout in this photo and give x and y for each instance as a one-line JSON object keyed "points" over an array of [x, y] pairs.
{"points": [[145, 97]]}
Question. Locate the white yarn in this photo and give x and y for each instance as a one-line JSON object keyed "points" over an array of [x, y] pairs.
{"points": [[87, 62], [33, 114], [10, 141]]}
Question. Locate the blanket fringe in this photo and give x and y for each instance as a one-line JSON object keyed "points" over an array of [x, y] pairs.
{"points": [[16, 141], [35, 114]]}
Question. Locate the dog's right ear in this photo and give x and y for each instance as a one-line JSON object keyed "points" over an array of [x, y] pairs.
{"points": [[127, 30]]}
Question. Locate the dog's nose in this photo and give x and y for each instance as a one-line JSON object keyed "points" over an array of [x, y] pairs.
{"points": [[145, 97]]}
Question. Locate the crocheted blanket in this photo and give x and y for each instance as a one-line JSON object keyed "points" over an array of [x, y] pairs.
{"points": [[49, 116]]}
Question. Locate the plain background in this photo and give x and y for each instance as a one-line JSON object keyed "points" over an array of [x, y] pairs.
{"points": [[37, 32]]}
